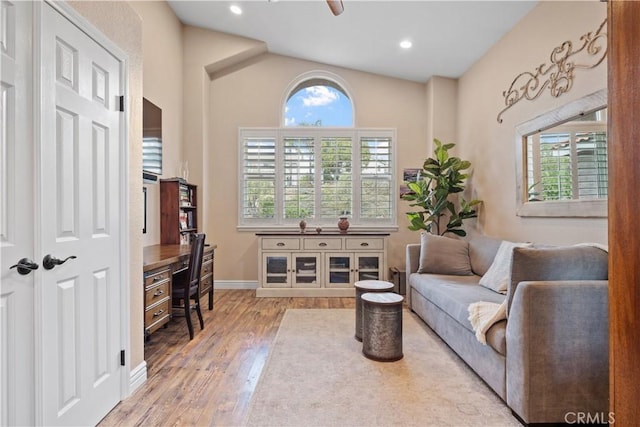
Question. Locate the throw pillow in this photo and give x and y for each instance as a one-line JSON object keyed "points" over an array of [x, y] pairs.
{"points": [[498, 275], [443, 255]]}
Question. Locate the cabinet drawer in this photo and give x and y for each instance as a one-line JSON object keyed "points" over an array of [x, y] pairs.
{"points": [[155, 277], [207, 268], [156, 293], [207, 257], [205, 284], [320, 243], [156, 312], [365, 243], [280, 244]]}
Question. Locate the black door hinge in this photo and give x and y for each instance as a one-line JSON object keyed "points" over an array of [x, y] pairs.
{"points": [[121, 101], [122, 358]]}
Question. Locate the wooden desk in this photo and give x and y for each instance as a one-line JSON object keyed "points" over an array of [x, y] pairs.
{"points": [[160, 263]]}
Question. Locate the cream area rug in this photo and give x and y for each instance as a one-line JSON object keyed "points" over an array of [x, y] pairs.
{"points": [[316, 375]]}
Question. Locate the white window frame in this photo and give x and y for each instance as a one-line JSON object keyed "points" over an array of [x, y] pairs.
{"points": [[579, 208], [328, 224]]}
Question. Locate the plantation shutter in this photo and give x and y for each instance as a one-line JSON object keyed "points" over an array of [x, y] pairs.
{"points": [[336, 163], [591, 159], [299, 180], [152, 154], [555, 163], [258, 177], [376, 178]]}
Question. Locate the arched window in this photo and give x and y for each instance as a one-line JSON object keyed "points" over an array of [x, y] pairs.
{"points": [[319, 102], [317, 165]]}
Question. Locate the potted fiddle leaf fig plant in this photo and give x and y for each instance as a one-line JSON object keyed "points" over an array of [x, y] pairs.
{"points": [[435, 192]]}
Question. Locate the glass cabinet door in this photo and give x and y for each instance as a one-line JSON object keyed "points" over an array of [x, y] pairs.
{"points": [[339, 270], [368, 267], [306, 270], [276, 270]]}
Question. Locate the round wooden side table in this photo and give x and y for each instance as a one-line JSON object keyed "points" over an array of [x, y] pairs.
{"points": [[362, 287], [382, 326]]}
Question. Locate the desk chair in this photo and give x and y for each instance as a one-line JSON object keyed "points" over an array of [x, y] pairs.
{"points": [[186, 284]]}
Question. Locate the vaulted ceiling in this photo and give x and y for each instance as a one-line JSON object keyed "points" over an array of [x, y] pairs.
{"points": [[447, 36]]}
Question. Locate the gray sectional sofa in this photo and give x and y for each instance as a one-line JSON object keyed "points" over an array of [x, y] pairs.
{"points": [[549, 359]]}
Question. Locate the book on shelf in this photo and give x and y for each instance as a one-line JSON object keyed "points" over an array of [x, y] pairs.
{"points": [[185, 196], [190, 222], [184, 224], [184, 239]]}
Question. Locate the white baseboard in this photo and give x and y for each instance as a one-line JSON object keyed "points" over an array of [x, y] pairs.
{"points": [[235, 284], [137, 376]]}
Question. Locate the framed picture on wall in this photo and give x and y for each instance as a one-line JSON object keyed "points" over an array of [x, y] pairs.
{"points": [[411, 175]]}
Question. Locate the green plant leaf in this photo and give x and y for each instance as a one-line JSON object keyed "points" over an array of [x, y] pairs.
{"points": [[441, 182]]}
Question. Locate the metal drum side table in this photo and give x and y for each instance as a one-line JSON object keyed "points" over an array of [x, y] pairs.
{"points": [[382, 326], [362, 287]]}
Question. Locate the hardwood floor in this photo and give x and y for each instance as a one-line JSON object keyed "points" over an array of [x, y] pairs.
{"points": [[210, 380]]}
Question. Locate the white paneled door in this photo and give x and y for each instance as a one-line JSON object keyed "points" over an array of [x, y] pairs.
{"points": [[66, 340], [16, 217]]}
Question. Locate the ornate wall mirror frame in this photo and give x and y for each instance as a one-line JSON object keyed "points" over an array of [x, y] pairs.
{"points": [[561, 161]]}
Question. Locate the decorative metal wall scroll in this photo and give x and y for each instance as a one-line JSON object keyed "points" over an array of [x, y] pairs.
{"points": [[558, 75]]}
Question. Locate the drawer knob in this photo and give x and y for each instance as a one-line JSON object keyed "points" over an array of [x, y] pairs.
{"points": [[279, 244], [157, 278], [158, 313], [322, 244], [158, 293], [364, 244]]}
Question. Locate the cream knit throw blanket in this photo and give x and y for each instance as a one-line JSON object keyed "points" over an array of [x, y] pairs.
{"points": [[483, 315]]}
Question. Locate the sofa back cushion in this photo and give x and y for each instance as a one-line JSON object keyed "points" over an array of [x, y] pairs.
{"points": [[444, 255], [482, 251], [577, 262]]}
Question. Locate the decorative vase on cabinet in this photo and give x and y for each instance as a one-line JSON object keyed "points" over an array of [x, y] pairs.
{"points": [[343, 224]]}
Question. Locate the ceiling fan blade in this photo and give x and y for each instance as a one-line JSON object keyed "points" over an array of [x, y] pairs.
{"points": [[336, 6]]}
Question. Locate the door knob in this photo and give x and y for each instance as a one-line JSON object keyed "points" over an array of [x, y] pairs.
{"points": [[48, 262], [25, 266]]}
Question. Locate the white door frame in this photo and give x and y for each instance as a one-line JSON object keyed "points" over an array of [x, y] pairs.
{"points": [[83, 24]]}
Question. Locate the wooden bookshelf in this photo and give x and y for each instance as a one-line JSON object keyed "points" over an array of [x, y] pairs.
{"points": [[178, 211]]}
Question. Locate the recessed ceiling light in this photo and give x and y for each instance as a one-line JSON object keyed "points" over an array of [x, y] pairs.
{"points": [[235, 9], [406, 44]]}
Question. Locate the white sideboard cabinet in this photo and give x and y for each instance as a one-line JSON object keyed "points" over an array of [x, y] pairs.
{"points": [[314, 265]]}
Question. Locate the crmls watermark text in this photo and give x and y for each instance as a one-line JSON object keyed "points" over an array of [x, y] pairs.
{"points": [[589, 418]]}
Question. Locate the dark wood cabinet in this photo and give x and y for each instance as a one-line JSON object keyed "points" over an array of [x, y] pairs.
{"points": [[178, 211]]}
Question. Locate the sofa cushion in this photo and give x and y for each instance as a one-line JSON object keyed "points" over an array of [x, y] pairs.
{"points": [[482, 251], [498, 275], [453, 294], [444, 255]]}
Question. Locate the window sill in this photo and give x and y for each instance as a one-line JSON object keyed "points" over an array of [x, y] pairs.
{"points": [[565, 208], [312, 230]]}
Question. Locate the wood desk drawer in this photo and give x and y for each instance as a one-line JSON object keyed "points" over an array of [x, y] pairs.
{"points": [[156, 293], [322, 243], [365, 243], [206, 283], [155, 277], [207, 268], [207, 257], [280, 244], [157, 312]]}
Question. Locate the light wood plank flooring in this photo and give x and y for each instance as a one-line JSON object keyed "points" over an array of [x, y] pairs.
{"points": [[210, 380]]}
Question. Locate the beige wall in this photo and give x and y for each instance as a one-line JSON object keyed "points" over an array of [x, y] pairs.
{"points": [[206, 50], [122, 26], [162, 85], [490, 146]]}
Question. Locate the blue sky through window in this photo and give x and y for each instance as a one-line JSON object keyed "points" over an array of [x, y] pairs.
{"points": [[319, 106]]}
